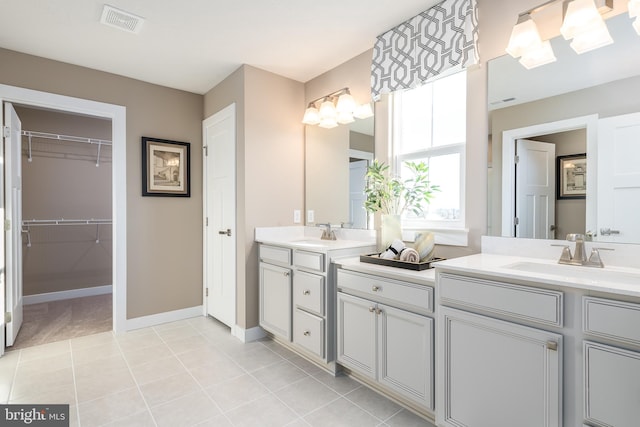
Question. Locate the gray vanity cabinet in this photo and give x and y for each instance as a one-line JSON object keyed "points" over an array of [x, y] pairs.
{"points": [[275, 291], [383, 335], [612, 370], [519, 367]]}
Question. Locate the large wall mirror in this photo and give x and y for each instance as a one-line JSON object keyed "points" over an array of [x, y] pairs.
{"points": [[335, 163], [565, 142]]}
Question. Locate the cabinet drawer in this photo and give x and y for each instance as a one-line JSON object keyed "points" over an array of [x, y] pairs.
{"points": [[406, 294], [308, 292], [308, 332], [611, 319], [275, 254], [310, 260], [519, 302]]}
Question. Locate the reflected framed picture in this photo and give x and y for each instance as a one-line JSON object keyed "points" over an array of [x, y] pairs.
{"points": [[166, 168], [571, 176]]}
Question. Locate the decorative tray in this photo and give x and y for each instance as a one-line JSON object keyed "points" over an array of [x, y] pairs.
{"points": [[418, 266]]}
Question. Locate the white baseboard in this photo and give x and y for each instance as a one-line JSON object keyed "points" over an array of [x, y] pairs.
{"points": [[166, 317], [248, 335], [73, 293]]}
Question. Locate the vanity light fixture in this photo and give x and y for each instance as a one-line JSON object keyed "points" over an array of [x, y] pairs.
{"points": [[336, 108], [634, 12], [582, 23], [526, 43]]}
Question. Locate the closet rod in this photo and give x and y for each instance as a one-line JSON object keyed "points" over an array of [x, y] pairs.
{"points": [[42, 222], [39, 222], [94, 141]]}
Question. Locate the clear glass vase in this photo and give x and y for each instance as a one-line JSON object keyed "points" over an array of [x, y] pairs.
{"points": [[390, 229]]}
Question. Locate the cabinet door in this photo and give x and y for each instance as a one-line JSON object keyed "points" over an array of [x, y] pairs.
{"points": [[357, 334], [493, 373], [275, 300], [611, 386], [405, 352]]}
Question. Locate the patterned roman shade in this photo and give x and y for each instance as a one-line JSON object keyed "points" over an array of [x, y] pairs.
{"points": [[426, 45]]}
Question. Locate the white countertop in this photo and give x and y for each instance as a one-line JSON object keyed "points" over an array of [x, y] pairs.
{"points": [[617, 280], [308, 238], [424, 277]]}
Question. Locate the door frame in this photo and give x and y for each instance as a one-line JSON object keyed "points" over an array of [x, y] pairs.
{"points": [[224, 113], [509, 137], [117, 114]]}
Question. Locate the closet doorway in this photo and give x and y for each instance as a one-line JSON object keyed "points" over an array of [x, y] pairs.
{"points": [[82, 107], [66, 227]]}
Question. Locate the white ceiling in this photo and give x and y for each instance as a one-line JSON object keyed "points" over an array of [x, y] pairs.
{"points": [[192, 45]]}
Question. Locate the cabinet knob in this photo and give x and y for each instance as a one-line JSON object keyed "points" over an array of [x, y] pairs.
{"points": [[306, 333], [378, 311], [375, 288], [552, 345], [372, 309], [286, 274], [307, 292]]}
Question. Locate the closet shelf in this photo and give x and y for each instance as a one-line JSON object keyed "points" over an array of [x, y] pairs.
{"points": [[93, 141], [27, 224]]}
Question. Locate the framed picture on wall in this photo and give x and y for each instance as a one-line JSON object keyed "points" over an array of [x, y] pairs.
{"points": [[166, 168], [571, 176]]}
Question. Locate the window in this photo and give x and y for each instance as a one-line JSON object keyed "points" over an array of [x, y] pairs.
{"points": [[429, 124]]}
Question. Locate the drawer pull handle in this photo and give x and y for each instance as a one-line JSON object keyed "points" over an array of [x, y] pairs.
{"points": [[375, 288], [552, 345], [372, 309], [306, 333], [307, 292]]}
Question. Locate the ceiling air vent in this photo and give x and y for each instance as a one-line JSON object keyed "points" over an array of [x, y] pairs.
{"points": [[120, 19]]}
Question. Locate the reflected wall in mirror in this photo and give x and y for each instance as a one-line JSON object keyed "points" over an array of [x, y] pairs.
{"points": [[581, 103], [335, 163]]}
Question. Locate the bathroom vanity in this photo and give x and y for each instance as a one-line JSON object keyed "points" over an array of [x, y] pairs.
{"points": [[495, 340], [297, 289]]}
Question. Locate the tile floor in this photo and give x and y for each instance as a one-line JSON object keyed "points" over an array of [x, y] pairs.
{"points": [[189, 373]]}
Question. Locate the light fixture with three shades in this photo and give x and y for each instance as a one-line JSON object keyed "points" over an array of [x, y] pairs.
{"points": [[334, 109]]}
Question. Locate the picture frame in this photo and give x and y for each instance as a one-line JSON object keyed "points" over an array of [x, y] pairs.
{"points": [[166, 168], [571, 176]]}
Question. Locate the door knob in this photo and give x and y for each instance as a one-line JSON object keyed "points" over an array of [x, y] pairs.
{"points": [[227, 232]]}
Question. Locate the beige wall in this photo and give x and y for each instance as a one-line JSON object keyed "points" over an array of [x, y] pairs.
{"points": [[270, 162], [159, 277], [62, 181]]}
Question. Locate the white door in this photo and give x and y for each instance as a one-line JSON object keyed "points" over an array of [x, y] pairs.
{"points": [[220, 215], [618, 188], [357, 214], [535, 189], [13, 217]]}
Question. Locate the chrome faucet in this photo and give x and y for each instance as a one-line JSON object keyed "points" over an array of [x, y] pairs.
{"points": [[327, 233], [579, 256]]}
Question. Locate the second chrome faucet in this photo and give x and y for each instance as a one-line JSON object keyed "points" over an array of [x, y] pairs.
{"points": [[579, 256]]}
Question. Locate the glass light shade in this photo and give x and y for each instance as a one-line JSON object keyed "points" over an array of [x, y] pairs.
{"points": [[580, 17], [596, 37], [363, 111], [634, 8], [327, 110], [311, 116], [524, 36], [539, 56], [346, 104], [328, 122], [345, 117]]}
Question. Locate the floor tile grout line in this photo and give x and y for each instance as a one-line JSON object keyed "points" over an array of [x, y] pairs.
{"points": [[15, 376], [75, 385], [192, 376], [135, 381]]}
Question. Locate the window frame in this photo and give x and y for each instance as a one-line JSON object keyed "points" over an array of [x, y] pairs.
{"points": [[449, 232]]}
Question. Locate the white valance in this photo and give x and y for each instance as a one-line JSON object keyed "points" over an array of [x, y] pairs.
{"points": [[425, 46]]}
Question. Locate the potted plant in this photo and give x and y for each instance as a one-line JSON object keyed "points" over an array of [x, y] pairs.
{"points": [[392, 196]]}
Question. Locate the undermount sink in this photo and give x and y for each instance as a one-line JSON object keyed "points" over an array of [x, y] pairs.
{"points": [[568, 272]]}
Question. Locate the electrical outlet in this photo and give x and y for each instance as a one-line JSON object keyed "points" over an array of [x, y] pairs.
{"points": [[296, 216], [311, 217]]}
